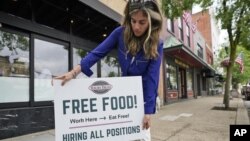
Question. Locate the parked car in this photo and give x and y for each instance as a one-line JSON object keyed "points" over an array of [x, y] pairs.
{"points": [[246, 91]]}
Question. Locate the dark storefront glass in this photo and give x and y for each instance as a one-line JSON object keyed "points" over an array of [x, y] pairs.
{"points": [[14, 67], [171, 77], [51, 59], [78, 54], [36, 39]]}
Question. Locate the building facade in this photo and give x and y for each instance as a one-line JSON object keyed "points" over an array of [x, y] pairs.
{"points": [[186, 70], [41, 39], [207, 25]]}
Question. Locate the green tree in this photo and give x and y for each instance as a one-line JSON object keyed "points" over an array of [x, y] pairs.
{"points": [[175, 8], [234, 16], [81, 53], [221, 56], [238, 77]]}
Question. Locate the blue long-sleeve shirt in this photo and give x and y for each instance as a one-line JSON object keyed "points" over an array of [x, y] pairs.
{"points": [[138, 65]]}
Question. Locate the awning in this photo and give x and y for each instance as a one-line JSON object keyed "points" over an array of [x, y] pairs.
{"points": [[219, 78], [99, 6], [174, 48]]}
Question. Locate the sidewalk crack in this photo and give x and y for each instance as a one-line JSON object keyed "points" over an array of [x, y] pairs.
{"points": [[178, 131]]}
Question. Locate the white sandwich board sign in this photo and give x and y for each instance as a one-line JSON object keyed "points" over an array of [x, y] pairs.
{"points": [[99, 109]]}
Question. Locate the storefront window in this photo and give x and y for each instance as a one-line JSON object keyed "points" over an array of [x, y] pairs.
{"points": [[51, 59], [171, 77], [14, 67], [189, 79], [78, 54], [110, 67]]}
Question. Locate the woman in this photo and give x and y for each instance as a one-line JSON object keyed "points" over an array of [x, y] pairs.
{"points": [[139, 50]]}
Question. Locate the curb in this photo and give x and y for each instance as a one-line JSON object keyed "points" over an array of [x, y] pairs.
{"points": [[241, 115]]}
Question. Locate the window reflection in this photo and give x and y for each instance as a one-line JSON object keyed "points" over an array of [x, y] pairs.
{"points": [[51, 59], [14, 67], [110, 67], [171, 77], [200, 51], [78, 54]]}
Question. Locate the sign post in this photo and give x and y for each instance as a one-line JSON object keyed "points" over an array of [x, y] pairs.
{"points": [[99, 109]]}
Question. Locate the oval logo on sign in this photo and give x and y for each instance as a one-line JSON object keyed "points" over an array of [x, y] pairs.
{"points": [[100, 87]]}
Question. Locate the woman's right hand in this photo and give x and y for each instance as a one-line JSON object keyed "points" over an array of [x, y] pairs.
{"points": [[65, 78], [69, 75]]}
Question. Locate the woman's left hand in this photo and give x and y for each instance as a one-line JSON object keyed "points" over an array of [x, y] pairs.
{"points": [[146, 121]]}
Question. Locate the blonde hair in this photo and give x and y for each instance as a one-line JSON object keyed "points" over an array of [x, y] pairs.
{"points": [[149, 41]]}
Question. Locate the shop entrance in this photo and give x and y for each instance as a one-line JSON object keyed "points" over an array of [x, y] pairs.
{"points": [[183, 83], [198, 85]]}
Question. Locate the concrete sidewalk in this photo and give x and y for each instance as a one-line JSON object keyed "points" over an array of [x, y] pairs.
{"points": [[194, 120], [190, 120]]}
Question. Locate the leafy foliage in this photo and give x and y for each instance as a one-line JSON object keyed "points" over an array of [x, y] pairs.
{"points": [[175, 8], [235, 18], [81, 53], [13, 41], [111, 61], [238, 77]]}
